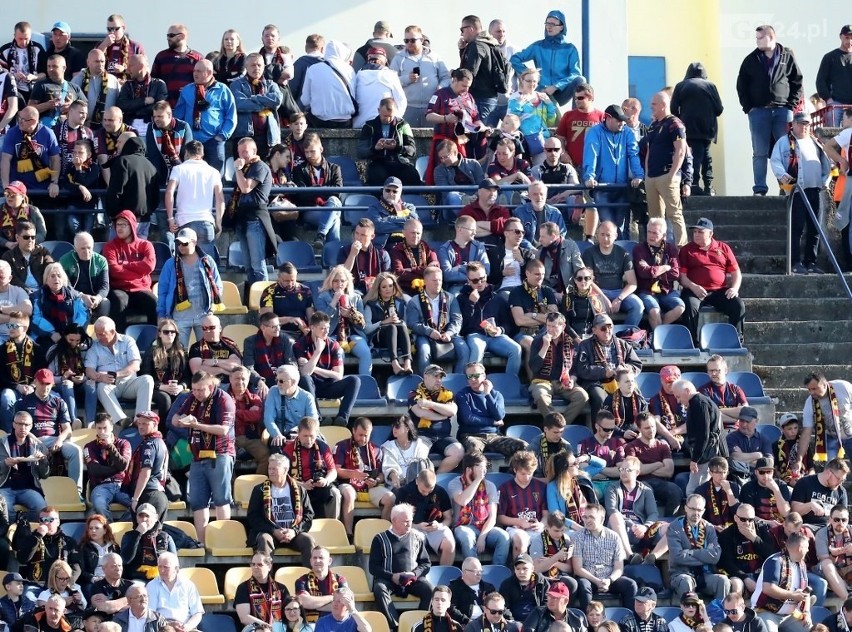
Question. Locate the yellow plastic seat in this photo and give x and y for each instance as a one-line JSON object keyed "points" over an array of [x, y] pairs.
{"points": [[120, 528], [331, 534], [232, 299], [82, 436], [255, 292], [239, 333], [61, 492], [356, 578], [366, 529], [226, 538], [410, 618], [335, 434], [377, 620], [233, 578], [189, 529], [205, 582], [243, 486], [288, 575]]}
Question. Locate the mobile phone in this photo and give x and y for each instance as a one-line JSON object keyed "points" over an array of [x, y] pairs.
{"points": [[416, 70]]}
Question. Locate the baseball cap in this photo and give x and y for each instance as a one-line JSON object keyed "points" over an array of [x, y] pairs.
{"points": [[801, 117], [846, 29], [148, 414], [523, 559], [669, 373], [703, 223], [382, 25], [62, 26], [12, 577], [764, 463], [617, 113], [434, 369], [747, 413], [186, 235], [94, 612], [488, 183], [377, 51], [787, 418], [147, 509], [690, 597], [16, 186], [558, 589], [601, 319], [45, 376], [393, 182], [646, 593]]}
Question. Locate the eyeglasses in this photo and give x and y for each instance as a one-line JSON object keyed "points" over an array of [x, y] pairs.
{"points": [[209, 328], [47, 519], [168, 332], [624, 470], [62, 579], [580, 98], [374, 60], [465, 27], [746, 520], [553, 24], [474, 376], [731, 611], [479, 280], [699, 509], [838, 519], [517, 231], [492, 611], [583, 278], [28, 237], [552, 150], [411, 40], [113, 29], [181, 244], [475, 571], [14, 325], [281, 381], [170, 35], [292, 609], [607, 429]]}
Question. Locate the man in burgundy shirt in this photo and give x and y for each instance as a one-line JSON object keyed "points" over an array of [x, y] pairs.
{"points": [[248, 419], [489, 215], [657, 466], [107, 457], [118, 47], [312, 464], [704, 265], [175, 64], [606, 445]]}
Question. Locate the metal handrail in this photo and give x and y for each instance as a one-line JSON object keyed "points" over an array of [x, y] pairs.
{"points": [[797, 188]]}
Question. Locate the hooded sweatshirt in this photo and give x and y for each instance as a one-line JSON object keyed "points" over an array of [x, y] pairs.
{"points": [[130, 264], [476, 57], [370, 86], [557, 58], [132, 183], [324, 93], [696, 102]]}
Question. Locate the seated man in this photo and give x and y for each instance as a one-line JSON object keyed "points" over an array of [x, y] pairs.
{"points": [[782, 596], [433, 514], [468, 592], [389, 213], [550, 442], [213, 353], [455, 169], [834, 551], [814, 495], [509, 259], [475, 511], [657, 269], [260, 599], [553, 550], [525, 590], [359, 468], [729, 397], [561, 258], [489, 215], [291, 301], [315, 589], [632, 513], [486, 319], [267, 350], [52, 425], [433, 316], [174, 596], [605, 445], [481, 411], [745, 544], [769, 497], [779, 534], [531, 302], [107, 458], [37, 549], [113, 362], [398, 563], [523, 505], [719, 494], [137, 597], [431, 406], [316, 171], [362, 257], [411, 256], [387, 144], [740, 617], [643, 618], [537, 211], [656, 466], [24, 463], [17, 373], [552, 364], [248, 414], [109, 594], [321, 368], [26, 258], [455, 255], [668, 410], [614, 273], [280, 513], [286, 406], [141, 547], [312, 465], [344, 616]]}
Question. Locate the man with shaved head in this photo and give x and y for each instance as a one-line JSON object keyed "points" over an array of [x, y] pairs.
{"points": [[29, 151], [175, 64], [139, 94], [91, 81], [214, 122]]}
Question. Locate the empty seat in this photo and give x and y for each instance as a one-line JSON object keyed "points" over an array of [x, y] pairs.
{"points": [[60, 492], [524, 432], [243, 486], [348, 169], [574, 434], [698, 378], [423, 208], [751, 385], [369, 395], [205, 582], [357, 580], [616, 613], [232, 300], [331, 534], [288, 575], [649, 383], [238, 333], [674, 340], [454, 382], [352, 215], [495, 574], [163, 253], [510, 387], [366, 529], [770, 432], [189, 529], [299, 253], [255, 292], [399, 386], [377, 621], [721, 338], [334, 435], [627, 244], [57, 248], [226, 538], [329, 253], [442, 575], [443, 479]]}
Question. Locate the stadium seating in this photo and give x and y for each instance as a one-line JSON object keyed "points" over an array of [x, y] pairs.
{"points": [[58, 248], [377, 621], [574, 434], [163, 253], [770, 432], [510, 387], [670, 613], [232, 300], [288, 575], [189, 529], [420, 164], [329, 253], [399, 386], [61, 493], [721, 338], [330, 533], [616, 613], [366, 529], [357, 580], [751, 385], [674, 340], [495, 574], [498, 478], [443, 575], [349, 170], [205, 582], [648, 383], [524, 432], [409, 619], [369, 395], [300, 254], [334, 435], [226, 539], [255, 292], [235, 576], [238, 333], [350, 215], [243, 486], [698, 378]]}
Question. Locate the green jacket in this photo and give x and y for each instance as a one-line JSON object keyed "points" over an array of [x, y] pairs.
{"points": [[98, 271]]}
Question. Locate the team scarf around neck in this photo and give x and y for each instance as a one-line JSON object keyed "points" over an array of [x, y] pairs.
{"points": [[787, 454], [259, 119], [200, 104], [442, 396], [667, 415], [429, 622], [718, 508], [315, 462], [29, 160], [140, 88], [9, 218], [168, 146], [475, 512], [57, 308], [266, 606], [696, 540], [785, 583], [544, 449], [418, 260], [200, 441], [97, 112], [601, 359], [618, 411], [690, 622], [182, 301], [353, 461], [443, 311], [267, 356], [842, 561], [234, 202], [821, 427], [575, 502], [550, 548], [111, 139], [567, 359], [207, 353], [540, 304], [21, 365]]}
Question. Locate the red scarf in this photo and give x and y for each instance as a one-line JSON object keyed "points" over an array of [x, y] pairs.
{"points": [[200, 104], [477, 511]]}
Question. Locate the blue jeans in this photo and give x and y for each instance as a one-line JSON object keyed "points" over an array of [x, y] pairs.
{"points": [[831, 446], [68, 392], [186, 326], [77, 222], [766, 125], [361, 350], [29, 498], [488, 112], [214, 154], [253, 245], [631, 306], [456, 199], [327, 222], [615, 214], [819, 587], [662, 302], [497, 539], [73, 456], [104, 494], [424, 353], [210, 479], [8, 398], [502, 346]]}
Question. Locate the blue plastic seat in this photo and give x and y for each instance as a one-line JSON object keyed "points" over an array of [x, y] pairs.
{"points": [[443, 479], [424, 211], [99, 247], [348, 169], [820, 613], [163, 253], [510, 387], [380, 434], [495, 574], [583, 245], [235, 255], [73, 530], [454, 382], [670, 613], [574, 434], [299, 253], [751, 385], [647, 575], [369, 394], [770, 432], [315, 286], [132, 436], [699, 378], [145, 335], [498, 478], [721, 338], [399, 386], [627, 244], [524, 432], [442, 575], [329, 253], [58, 248], [649, 383], [674, 340], [351, 216], [615, 613]]}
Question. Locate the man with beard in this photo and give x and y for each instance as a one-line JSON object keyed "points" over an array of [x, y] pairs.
{"points": [[139, 94], [388, 144], [175, 64], [260, 599], [744, 545]]}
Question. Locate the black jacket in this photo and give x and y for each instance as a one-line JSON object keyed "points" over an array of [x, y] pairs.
{"points": [[834, 80], [302, 178], [512, 592], [27, 546], [400, 131], [704, 429], [753, 623], [756, 88], [541, 618], [464, 599], [135, 107], [730, 540], [132, 553], [495, 259], [476, 57], [39, 259], [132, 183], [696, 102], [89, 559], [490, 305], [259, 522]]}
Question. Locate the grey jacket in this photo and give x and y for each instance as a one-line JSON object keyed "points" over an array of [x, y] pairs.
{"points": [[417, 323], [154, 621], [683, 558], [644, 506], [40, 469]]}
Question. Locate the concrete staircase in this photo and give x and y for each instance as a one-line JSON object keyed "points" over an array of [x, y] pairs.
{"points": [[794, 325]]}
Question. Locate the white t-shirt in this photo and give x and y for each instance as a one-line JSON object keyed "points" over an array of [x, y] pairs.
{"points": [[196, 183]]}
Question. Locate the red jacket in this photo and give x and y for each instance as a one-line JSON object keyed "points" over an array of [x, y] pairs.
{"points": [[130, 264]]}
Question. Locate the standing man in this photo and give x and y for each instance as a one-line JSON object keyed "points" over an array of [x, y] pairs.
{"points": [[769, 86], [52, 96], [703, 432], [257, 100], [148, 470], [665, 151], [175, 65], [834, 77], [118, 47], [25, 59], [99, 87], [421, 72], [139, 94], [826, 415], [60, 44], [798, 158], [478, 52], [133, 184], [31, 155], [497, 30], [705, 265], [165, 140]]}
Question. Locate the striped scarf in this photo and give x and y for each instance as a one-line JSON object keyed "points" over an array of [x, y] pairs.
{"points": [[182, 301], [443, 311], [268, 357], [259, 120], [21, 364], [266, 606], [9, 217], [295, 497], [96, 112], [821, 427], [29, 160], [58, 308], [475, 512]]}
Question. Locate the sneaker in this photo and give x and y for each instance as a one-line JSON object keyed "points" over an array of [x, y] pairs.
{"points": [[650, 559], [710, 191], [635, 559], [319, 241], [759, 193], [799, 269], [814, 269]]}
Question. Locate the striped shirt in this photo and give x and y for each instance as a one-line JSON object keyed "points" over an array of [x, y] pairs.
{"points": [[598, 553]]}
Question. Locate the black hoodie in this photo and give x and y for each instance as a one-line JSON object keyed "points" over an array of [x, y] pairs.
{"points": [[758, 88], [696, 102], [132, 183]]}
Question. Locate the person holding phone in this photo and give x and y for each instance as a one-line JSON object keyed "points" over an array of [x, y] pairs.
{"points": [[421, 72]]}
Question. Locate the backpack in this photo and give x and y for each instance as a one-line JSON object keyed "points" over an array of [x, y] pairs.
{"points": [[499, 70], [415, 467]]}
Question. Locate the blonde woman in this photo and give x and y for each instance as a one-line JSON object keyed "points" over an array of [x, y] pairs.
{"points": [[337, 298], [60, 581], [385, 321], [536, 111], [229, 65]]}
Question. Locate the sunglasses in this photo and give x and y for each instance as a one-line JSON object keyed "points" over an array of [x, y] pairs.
{"points": [[171, 35], [209, 328], [281, 381], [746, 520], [479, 280], [168, 332], [411, 40], [14, 325], [47, 519], [552, 150], [607, 429], [731, 611], [517, 231], [62, 579], [113, 29], [580, 98], [583, 278], [473, 376], [492, 611], [28, 237], [840, 519]]}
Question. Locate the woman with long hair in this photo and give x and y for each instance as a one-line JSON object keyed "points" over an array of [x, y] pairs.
{"points": [[582, 301], [564, 491], [384, 321], [166, 362], [67, 360], [229, 64], [338, 299], [96, 543], [56, 305], [294, 616], [536, 111], [60, 581], [402, 450]]}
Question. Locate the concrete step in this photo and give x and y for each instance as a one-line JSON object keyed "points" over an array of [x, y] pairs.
{"points": [[761, 263], [776, 309], [790, 399], [758, 231], [814, 286], [797, 331], [757, 246], [708, 206], [791, 376], [780, 354]]}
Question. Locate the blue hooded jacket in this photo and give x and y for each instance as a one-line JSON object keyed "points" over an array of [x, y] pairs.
{"points": [[557, 58]]}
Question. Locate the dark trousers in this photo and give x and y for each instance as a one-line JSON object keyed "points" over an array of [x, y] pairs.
{"points": [[313, 121], [346, 388], [123, 303], [702, 162], [733, 308], [597, 396], [802, 223], [156, 499], [624, 587], [383, 589], [303, 543], [395, 339], [379, 171], [670, 494]]}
